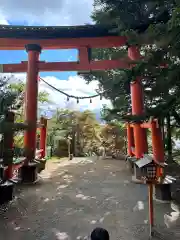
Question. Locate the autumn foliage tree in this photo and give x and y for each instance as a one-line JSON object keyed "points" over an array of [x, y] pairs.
{"points": [[113, 137], [86, 132]]}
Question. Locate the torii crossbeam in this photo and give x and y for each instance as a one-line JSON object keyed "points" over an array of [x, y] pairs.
{"points": [[83, 66]]}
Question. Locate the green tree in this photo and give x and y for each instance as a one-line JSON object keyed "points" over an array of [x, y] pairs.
{"points": [[8, 103], [113, 136], [18, 88], [154, 26], [88, 130], [82, 127]]}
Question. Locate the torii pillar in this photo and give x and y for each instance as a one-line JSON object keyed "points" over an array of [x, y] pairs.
{"points": [[29, 170], [130, 140], [137, 101]]}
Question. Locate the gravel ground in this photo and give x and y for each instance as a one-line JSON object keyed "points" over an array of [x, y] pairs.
{"points": [[73, 197]]}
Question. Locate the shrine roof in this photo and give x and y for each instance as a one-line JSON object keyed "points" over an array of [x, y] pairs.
{"points": [[47, 32]]}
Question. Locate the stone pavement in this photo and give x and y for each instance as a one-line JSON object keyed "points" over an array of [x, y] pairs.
{"points": [[73, 197]]}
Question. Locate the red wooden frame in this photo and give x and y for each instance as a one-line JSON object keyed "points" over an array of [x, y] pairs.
{"points": [[63, 43], [66, 66], [136, 136]]}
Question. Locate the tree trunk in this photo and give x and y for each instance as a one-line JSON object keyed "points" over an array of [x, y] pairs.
{"points": [[52, 151], [78, 150], [176, 116], [69, 149], [74, 141]]}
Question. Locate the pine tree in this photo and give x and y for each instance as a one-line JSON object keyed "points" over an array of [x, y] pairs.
{"points": [[154, 26], [138, 20]]}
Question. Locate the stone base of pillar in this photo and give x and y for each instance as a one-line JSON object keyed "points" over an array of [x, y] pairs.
{"points": [[175, 190], [130, 166], [162, 193], [29, 173], [6, 192], [41, 165], [135, 180], [130, 163]]}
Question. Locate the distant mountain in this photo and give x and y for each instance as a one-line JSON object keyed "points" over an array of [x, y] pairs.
{"points": [[43, 110], [98, 114]]}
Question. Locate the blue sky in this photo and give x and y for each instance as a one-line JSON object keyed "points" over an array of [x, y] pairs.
{"points": [[16, 56], [52, 13]]}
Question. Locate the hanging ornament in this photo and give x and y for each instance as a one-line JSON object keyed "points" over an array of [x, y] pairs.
{"points": [[90, 100], [67, 98], [100, 96], [77, 100]]}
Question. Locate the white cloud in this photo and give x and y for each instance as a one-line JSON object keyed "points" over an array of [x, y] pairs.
{"points": [[45, 12], [3, 21], [57, 13], [76, 86]]}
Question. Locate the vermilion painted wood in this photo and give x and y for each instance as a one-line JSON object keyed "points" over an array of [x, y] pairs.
{"points": [[67, 66], [31, 103], [137, 102], [147, 124], [157, 143], [130, 138], [64, 43], [43, 134]]}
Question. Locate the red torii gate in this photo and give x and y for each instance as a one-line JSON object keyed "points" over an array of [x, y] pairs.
{"points": [[83, 38]]}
